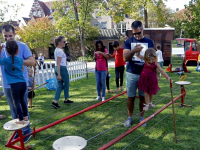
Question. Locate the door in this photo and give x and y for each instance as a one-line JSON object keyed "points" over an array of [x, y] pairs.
{"points": [[110, 48], [188, 54], [195, 53]]}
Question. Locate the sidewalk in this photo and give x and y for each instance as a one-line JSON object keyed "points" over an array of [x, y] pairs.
{"points": [[91, 66]]}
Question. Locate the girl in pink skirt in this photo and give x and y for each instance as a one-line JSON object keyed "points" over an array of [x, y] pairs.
{"points": [[148, 82]]}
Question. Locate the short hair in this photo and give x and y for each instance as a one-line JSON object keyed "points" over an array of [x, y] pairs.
{"points": [[58, 39], [137, 24], [158, 46], [29, 69], [8, 27], [115, 44]]}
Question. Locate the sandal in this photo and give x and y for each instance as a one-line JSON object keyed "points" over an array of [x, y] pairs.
{"points": [[20, 122], [146, 107], [2, 117], [26, 118], [122, 89], [117, 90], [151, 105], [110, 91]]}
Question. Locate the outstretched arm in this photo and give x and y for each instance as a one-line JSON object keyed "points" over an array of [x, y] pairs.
{"points": [[163, 72]]}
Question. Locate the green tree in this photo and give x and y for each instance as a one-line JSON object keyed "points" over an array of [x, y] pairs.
{"points": [[73, 20], [190, 20], [37, 34], [4, 17], [136, 9]]}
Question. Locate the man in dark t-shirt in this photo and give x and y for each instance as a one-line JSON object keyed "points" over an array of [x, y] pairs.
{"points": [[137, 43]]}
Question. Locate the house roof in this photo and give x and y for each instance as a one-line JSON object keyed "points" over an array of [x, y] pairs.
{"points": [[109, 34], [26, 19]]}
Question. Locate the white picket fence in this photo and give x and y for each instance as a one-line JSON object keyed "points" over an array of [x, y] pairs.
{"points": [[76, 69]]}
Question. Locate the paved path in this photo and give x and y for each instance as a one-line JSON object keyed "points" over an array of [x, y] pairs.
{"points": [[91, 66]]}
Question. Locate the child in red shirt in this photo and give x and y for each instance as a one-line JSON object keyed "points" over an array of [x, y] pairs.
{"points": [[119, 65]]}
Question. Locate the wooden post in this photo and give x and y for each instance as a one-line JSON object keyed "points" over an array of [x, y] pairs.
{"points": [[174, 119]]}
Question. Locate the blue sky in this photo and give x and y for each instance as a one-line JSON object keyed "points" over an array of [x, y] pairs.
{"points": [[25, 10]]}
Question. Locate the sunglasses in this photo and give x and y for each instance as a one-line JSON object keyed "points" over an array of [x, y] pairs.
{"points": [[64, 41], [138, 33]]}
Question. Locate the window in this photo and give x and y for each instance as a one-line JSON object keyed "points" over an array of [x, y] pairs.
{"points": [[96, 25], [121, 27], [34, 13], [96, 12], [194, 46], [67, 9], [50, 10], [187, 46], [39, 13], [104, 25]]}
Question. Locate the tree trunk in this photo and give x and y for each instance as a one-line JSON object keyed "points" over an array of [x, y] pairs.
{"points": [[145, 18], [81, 32]]}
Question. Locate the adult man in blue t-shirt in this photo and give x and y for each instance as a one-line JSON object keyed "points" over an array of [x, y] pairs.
{"points": [[24, 52], [137, 43]]}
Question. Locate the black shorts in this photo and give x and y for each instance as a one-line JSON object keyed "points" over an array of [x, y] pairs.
{"points": [[30, 94]]}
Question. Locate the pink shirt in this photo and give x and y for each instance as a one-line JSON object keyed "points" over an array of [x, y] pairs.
{"points": [[101, 62]]}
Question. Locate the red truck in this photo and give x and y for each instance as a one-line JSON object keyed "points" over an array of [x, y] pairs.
{"points": [[190, 48]]}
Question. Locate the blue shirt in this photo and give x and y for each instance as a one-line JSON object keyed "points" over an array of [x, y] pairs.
{"points": [[135, 65], [24, 53], [13, 76]]}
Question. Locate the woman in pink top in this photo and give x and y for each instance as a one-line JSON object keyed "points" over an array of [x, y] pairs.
{"points": [[100, 56]]}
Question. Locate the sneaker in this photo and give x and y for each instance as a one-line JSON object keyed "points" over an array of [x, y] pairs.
{"points": [[27, 138], [55, 105], [98, 98], [103, 99], [128, 122], [68, 102], [140, 120]]}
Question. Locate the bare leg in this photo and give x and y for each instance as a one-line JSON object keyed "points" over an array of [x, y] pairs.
{"points": [[150, 101], [141, 105], [147, 98], [29, 102], [130, 105]]}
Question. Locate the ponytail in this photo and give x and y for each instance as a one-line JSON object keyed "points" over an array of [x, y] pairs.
{"points": [[57, 40], [12, 47], [13, 67]]}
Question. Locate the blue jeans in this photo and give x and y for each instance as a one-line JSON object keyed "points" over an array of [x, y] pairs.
{"points": [[63, 84], [18, 91], [12, 108], [100, 77]]}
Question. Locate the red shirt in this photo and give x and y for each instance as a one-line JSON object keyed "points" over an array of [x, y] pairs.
{"points": [[119, 61]]}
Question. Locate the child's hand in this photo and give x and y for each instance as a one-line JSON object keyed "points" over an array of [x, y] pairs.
{"points": [[169, 80]]}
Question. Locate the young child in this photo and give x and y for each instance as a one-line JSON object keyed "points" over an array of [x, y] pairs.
{"points": [[30, 85], [119, 65], [148, 81], [159, 56], [13, 66]]}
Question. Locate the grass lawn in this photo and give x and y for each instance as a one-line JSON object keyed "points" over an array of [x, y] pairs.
{"points": [[106, 116]]}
